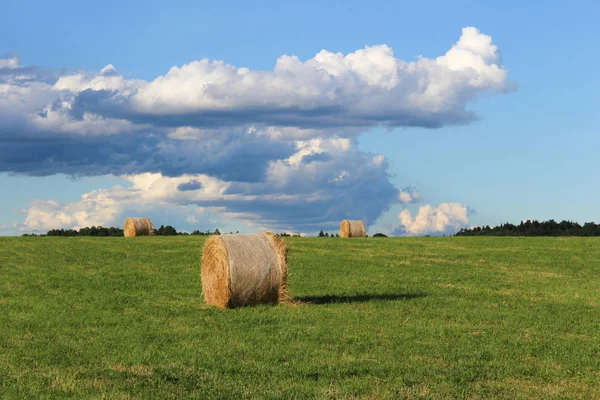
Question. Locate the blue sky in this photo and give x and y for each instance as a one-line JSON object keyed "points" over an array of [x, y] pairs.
{"points": [[531, 153]]}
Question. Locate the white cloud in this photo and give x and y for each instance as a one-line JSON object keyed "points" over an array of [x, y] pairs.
{"points": [[475, 52], [9, 62], [95, 208], [107, 79], [409, 196], [446, 218], [99, 123], [367, 85], [330, 94], [294, 195], [275, 148]]}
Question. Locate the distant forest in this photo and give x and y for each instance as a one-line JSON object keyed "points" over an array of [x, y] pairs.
{"points": [[535, 228], [525, 228], [112, 231]]}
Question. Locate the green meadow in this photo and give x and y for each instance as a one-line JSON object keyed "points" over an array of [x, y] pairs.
{"points": [[380, 318]]}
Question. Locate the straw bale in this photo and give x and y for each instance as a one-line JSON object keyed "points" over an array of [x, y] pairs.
{"points": [[352, 228], [137, 227], [244, 269]]}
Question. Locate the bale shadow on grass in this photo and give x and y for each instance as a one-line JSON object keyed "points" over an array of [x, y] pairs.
{"points": [[333, 299]]}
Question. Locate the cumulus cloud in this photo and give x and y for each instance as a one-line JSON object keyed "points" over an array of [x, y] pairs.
{"points": [[409, 195], [95, 208], [231, 155], [9, 62], [280, 143], [294, 196], [446, 218], [369, 86], [75, 123]]}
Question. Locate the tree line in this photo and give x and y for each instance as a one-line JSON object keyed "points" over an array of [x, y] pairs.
{"points": [[112, 231], [326, 234], [163, 230], [535, 228], [87, 231]]}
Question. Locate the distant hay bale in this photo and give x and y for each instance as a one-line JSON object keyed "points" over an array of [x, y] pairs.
{"points": [[352, 228], [244, 269], [138, 227]]}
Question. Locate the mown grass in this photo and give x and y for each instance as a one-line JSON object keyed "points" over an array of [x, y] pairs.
{"points": [[388, 318]]}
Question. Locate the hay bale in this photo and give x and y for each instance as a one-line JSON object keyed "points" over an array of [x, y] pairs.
{"points": [[244, 269], [138, 227], [352, 228]]}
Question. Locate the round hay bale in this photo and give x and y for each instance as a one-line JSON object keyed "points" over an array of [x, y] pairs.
{"points": [[352, 228], [137, 227], [244, 269]]}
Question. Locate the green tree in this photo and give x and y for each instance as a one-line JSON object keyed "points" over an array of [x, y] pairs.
{"points": [[170, 231]]}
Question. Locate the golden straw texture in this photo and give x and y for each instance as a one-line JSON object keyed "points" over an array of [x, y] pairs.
{"points": [[137, 227], [352, 228], [244, 269]]}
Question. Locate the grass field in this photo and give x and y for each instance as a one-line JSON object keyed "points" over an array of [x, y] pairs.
{"points": [[388, 318]]}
